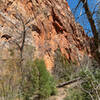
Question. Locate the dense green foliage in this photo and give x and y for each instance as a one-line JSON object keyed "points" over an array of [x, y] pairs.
{"points": [[38, 81]]}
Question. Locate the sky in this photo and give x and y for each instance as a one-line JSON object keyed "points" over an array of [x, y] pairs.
{"points": [[83, 19]]}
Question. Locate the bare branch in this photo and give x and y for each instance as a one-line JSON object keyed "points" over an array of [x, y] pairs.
{"points": [[69, 82], [86, 92], [80, 16], [75, 9], [97, 94], [95, 8]]}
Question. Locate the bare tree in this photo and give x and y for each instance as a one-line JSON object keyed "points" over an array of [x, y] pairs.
{"points": [[92, 23], [19, 41], [20, 30]]}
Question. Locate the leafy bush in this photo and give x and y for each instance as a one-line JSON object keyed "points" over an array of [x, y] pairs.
{"points": [[38, 81], [30, 80], [46, 82], [91, 82], [89, 88]]}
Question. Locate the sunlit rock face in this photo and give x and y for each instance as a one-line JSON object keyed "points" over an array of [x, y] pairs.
{"points": [[49, 25]]}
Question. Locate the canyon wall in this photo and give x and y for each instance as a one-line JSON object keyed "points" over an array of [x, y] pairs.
{"points": [[49, 25]]}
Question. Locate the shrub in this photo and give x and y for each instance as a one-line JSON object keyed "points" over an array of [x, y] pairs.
{"points": [[89, 88], [46, 82], [74, 94], [91, 81], [10, 80], [30, 80], [63, 69], [38, 81]]}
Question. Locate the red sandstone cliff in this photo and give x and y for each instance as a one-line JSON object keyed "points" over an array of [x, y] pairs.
{"points": [[49, 25]]}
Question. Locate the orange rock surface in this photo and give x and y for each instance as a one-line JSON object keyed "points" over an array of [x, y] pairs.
{"points": [[51, 26]]}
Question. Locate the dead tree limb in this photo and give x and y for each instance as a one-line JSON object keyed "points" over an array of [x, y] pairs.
{"points": [[69, 82]]}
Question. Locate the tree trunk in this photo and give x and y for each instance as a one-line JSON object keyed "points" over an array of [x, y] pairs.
{"points": [[93, 28]]}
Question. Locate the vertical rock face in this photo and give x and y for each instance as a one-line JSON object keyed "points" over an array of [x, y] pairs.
{"points": [[49, 25]]}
